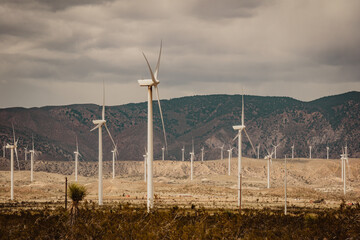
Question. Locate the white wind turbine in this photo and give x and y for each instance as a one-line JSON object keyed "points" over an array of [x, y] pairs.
{"points": [[163, 153], [25, 153], [258, 151], [285, 209], [32, 158], [327, 152], [99, 124], [269, 162], [275, 147], [192, 153], [292, 151], [12, 148], [183, 153], [202, 154], [310, 147], [149, 83], [240, 128], [222, 151], [344, 162], [76, 159], [114, 158], [230, 156]]}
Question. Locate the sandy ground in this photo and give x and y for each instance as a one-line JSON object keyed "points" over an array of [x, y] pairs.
{"points": [[307, 181]]}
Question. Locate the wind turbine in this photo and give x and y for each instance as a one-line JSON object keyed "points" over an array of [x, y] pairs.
{"points": [[12, 148], [310, 147], [76, 159], [99, 124], [192, 153], [25, 153], [163, 153], [32, 156], [114, 158], [222, 151], [292, 151], [149, 83], [269, 160], [275, 147], [230, 156], [202, 154], [327, 152], [258, 151], [240, 128], [183, 153]]}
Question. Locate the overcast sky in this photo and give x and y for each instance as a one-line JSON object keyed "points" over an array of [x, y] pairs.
{"points": [[58, 52]]}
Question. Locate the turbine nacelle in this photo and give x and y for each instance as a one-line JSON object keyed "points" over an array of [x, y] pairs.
{"points": [[148, 82], [239, 127], [99, 122]]}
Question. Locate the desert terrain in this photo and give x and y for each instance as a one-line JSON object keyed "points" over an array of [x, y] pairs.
{"points": [[308, 182]]}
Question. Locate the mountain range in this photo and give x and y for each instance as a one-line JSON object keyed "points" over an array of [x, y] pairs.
{"points": [[332, 121]]}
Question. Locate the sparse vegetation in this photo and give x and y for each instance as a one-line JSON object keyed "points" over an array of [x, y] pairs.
{"points": [[76, 193], [124, 222]]}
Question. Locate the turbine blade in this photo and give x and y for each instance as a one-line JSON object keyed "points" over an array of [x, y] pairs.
{"points": [[151, 72], [237, 135], [109, 134], [97, 126], [267, 151], [250, 140], [161, 115], [33, 142], [158, 63], [103, 107], [13, 132], [77, 146]]}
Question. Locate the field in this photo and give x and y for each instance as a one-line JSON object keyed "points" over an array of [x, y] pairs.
{"points": [[312, 183]]}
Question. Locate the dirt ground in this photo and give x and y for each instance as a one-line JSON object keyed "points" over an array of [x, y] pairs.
{"points": [[308, 181]]}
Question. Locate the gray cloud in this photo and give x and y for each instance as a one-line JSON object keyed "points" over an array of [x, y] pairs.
{"points": [[273, 47]]}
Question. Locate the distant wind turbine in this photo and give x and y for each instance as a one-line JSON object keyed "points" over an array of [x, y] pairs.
{"points": [[26, 153], [163, 153], [269, 162], [4, 149], [149, 83], [12, 149], [76, 159], [222, 151], [344, 162], [285, 209], [240, 128], [32, 157], [258, 151], [292, 151], [99, 124], [183, 153], [310, 147], [114, 158], [327, 152], [230, 156], [275, 147], [202, 154], [192, 153]]}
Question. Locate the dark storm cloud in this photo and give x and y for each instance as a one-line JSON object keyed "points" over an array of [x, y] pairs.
{"points": [[304, 49]]}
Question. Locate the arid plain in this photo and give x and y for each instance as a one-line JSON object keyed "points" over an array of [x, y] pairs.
{"points": [[313, 183]]}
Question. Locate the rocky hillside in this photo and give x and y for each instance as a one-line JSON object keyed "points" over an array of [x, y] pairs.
{"points": [[332, 121]]}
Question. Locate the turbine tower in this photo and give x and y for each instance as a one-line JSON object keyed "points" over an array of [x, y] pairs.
{"points": [[25, 153], [163, 153], [99, 124], [275, 147], [202, 154], [32, 156], [222, 151], [292, 151], [258, 151], [183, 153], [12, 149], [149, 83], [285, 209], [240, 128], [192, 153], [114, 158], [327, 152], [230, 156], [310, 147], [269, 162], [76, 159]]}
